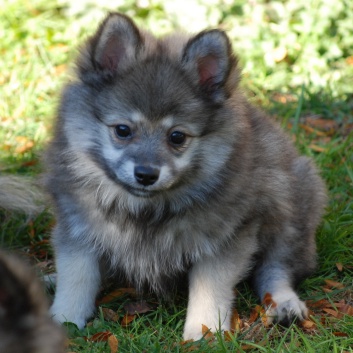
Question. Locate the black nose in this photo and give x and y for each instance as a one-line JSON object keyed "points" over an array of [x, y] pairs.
{"points": [[146, 175]]}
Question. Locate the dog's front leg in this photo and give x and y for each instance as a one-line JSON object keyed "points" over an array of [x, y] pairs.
{"points": [[210, 298], [78, 282], [211, 289]]}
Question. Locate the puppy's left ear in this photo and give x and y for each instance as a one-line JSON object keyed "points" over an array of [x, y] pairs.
{"points": [[209, 60]]}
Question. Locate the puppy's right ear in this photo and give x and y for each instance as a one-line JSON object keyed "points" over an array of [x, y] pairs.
{"points": [[113, 47]]}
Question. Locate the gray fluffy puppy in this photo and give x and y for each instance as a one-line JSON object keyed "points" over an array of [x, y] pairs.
{"points": [[160, 166]]}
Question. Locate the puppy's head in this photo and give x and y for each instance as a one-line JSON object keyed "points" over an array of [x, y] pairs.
{"points": [[154, 114]]}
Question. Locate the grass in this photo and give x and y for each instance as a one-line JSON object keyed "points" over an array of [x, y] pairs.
{"points": [[298, 64]]}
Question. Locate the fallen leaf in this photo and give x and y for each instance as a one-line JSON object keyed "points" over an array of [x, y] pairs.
{"points": [[346, 309], [340, 334], [30, 163], [235, 323], [268, 301], [113, 344], [311, 130], [100, 336], [127, 319], [116, 294], [254, 314], [339, 266], [334, 284], [189, 346], [139, 307], [246, 347], [24, 144], [228, 336], [317, 148], [319, 304], [206, 332], [333, 313], [31, 230], [327, 125], [110, 315], [308, 324]]}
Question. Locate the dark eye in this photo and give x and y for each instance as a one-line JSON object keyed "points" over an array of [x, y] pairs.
{"points": [[122, 131], [177, 138]]}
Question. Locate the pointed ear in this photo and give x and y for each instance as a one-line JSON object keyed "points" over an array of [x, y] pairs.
{"points": [[117, 41], [208, 58]]}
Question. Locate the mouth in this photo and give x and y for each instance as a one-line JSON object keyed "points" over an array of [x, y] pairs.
{"points": [[145, 193]]}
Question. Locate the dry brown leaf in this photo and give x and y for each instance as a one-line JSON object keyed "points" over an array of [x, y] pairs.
{"points": [[192, 347], [308, 324], [227, 336], [339, 266], [334, 284], [113, 344], [110, 315], [317, 148], [319, 304], [100, 336], [339, 304], [31, 230], [139, 307], [127, 319], [328, 125], [29, 163], [116, 294], [206, 332], [346, 309], [24, 144], [311, 130], [340, 334], [268, 301], [333, 313], [254, 314], [246, 347], [236, 323]]}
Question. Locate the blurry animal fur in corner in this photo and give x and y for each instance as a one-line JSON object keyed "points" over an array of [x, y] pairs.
{"points": [[25, 323], [20, 194], [160, 167]]}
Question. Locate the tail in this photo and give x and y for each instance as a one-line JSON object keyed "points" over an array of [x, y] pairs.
{"points": [[20, 194], [25, 324]]}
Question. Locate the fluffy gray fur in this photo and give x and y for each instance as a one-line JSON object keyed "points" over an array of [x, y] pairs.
{"points": [[20, 194], [232, 199]]}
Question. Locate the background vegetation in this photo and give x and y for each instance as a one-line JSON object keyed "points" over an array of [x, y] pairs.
{"points": [[297, 57]]}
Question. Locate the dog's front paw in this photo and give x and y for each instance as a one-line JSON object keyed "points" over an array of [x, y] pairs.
{"points": [[284, 309], [62, 315], [195, 327], [192, 332]]}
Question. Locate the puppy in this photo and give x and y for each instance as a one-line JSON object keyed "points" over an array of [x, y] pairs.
{"points": [[159, 166]]}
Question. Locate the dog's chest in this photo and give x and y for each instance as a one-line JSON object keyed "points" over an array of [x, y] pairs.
{"points": [[149, 250]]}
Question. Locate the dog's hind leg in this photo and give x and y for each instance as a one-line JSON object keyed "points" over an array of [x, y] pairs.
{"points": [[274, 286], [287, 260]]}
